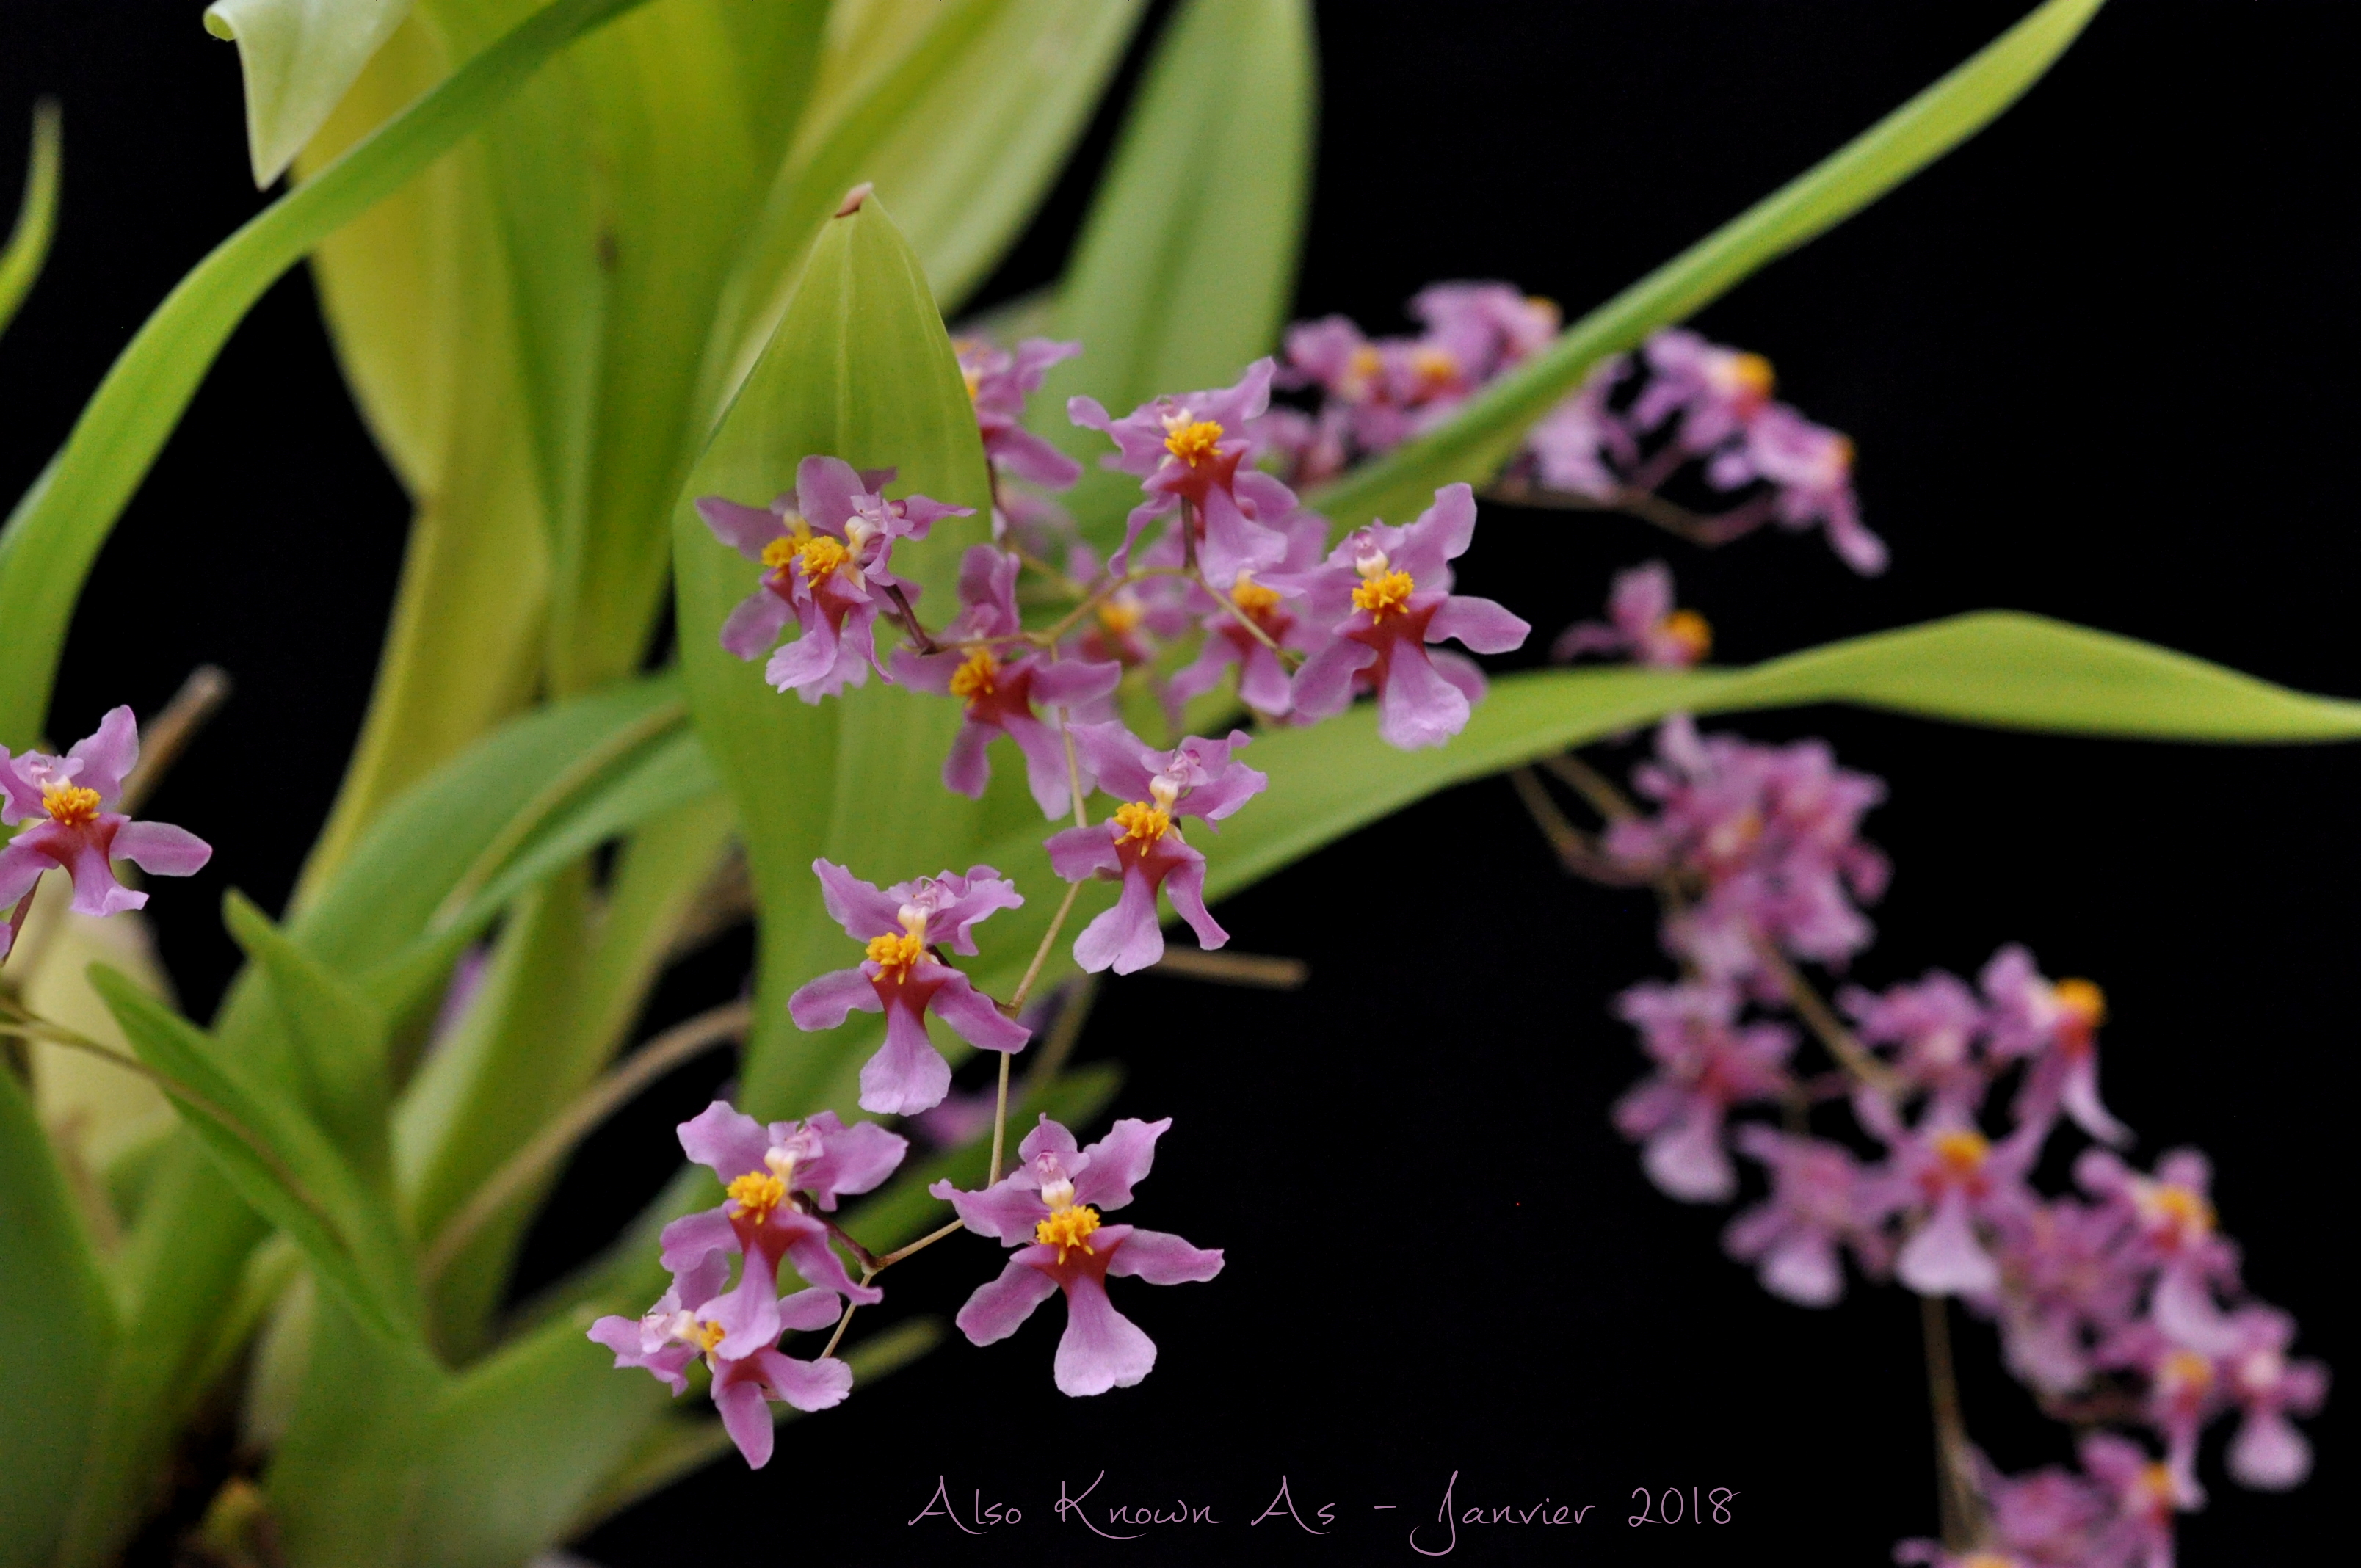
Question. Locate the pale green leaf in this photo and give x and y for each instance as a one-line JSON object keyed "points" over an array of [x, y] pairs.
{"points": [[1186, 265], [1488, 429], [338, 1037], [37, 214], [858, 368], [299, 58], [56, 530], [48, 1275], [278, 1160]]}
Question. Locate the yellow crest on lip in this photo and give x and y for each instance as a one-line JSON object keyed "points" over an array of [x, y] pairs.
{"points": [[70, 805], [1690, 630], [1193, 443], [898, 954], [757, 1193], [1252, 597], [1384, 594], [1068, 1228], [817, 556], [1962, 1153], [975, 678], [1141, 821]]}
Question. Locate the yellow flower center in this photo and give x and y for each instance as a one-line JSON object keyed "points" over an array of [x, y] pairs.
{"points": [[1434, 365], [70, 805], [817, 556], [1068, 1228], [898, 955], [974, 679], [1194, 442], [2187, 1370], [1365, 364], [1384, 594], [1987, 1560], [1141, 821], [1690, 630], [2182, 1208], [1118, 615], [1961, 1153], [2082, 1000], [2156, 1482], [1748, 375], [1252, 597], [757, 1193], [704, 1336]]}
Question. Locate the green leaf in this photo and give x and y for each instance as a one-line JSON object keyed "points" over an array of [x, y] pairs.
{"points": [[37, 214], [338, 1034], [278, 1161], [1185, 268], [54, 535], [48, 1275], [1488, 429], [860, 368], [1996, 668], [299, 58]]}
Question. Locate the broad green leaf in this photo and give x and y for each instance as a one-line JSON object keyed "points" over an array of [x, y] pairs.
{"points": [[54, 533], [48, 1275], [37, 214], [278, 1161], [343, 1481], [338, 1037], [860, 368], [1185, 268], [300, 57], [1486, 431], [961, 114]]}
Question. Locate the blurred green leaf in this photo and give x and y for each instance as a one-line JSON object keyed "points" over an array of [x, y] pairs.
{"points": [[55, 532], [338, 1037], [48, 1275], [858, 368], [300, 57], [1488, 429], [1185, 267], [278, 1160], [37, 214]]}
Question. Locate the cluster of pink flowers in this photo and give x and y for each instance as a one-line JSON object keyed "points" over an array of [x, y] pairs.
{"points": [[1233, 558], [2118, 1302], [1680, 408]]}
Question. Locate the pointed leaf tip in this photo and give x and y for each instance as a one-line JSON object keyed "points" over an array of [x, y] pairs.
{"points": [[854, 197]]}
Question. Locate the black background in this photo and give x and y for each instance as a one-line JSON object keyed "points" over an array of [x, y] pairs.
{"points": [[2100, 363]]}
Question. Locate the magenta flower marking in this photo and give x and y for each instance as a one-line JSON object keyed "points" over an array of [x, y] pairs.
{"points": [[773, 1177], [1141, 843], [1705, 1063], [1049, 1209], [684, 1325], [1000, 688], [998, 382], [904, 979], [1186, 452], [826, 561], [1384, 594], [1264, 684], [69, 801], [1642, 624]]}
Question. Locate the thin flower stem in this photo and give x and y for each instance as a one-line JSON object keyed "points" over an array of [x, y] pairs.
{"points": [[919, 641], [1706, 529], [1592, 786], [1049, 637], [1258, 971], [1058, 579], [1822, 1020], [1000, 1120], [1287, 656], [868, 1259], [169, 732], [1955, 1489], [870, 1270], [1073, 889], [1574, 848], [677, 1045]]}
